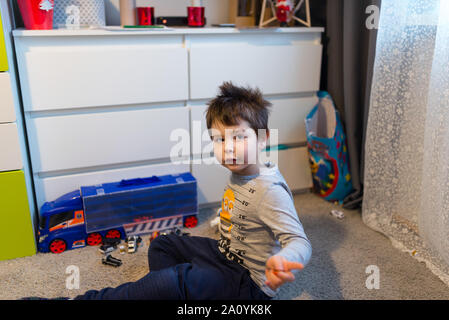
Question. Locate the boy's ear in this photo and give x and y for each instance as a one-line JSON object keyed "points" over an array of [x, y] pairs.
{"points": [[263, 136]]}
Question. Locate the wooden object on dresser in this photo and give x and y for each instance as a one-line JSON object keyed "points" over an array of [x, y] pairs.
{"points": [[264, 21], [242, 13]]}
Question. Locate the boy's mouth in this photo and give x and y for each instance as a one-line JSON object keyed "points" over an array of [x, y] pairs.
{"points": [[232, 161]]}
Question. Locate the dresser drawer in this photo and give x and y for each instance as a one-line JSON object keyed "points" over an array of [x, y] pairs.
{"points": [[61, 78], [105, 138], [263, 66], [198, 129], [294, 166], [16, 231], [287, 117], [3, 57], [7, 113], [49, 189], [10, 157], [212, 179]]}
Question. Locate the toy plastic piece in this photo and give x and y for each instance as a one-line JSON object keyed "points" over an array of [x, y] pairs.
{"points": [[176, 231], [109, 245], [216, 221], [154, 235], [111, 241], [191, 222], [105, 249], [113, 234], [111, 261], [112, 205], [58, 246], [94, 239], [338, 214], [133, 243], [152, 226]]}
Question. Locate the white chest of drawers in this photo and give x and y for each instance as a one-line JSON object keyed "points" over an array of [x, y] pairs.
{"points": [[102, 105]]}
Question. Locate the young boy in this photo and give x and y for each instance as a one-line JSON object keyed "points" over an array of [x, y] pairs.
{"points": [[262, 240]]}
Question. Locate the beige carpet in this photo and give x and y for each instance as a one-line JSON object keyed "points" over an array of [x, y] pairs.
{"points": [[342, 250]]}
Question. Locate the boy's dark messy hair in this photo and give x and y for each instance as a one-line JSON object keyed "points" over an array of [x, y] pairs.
{"points": [[234, 104]]}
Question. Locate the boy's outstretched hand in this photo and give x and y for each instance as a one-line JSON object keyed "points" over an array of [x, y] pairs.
{"points": [[278, 271]]}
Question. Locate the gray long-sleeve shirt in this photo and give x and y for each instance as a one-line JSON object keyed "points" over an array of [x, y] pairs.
{"points": [[258, 219]]}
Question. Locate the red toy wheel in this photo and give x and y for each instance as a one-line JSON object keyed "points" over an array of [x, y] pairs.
{"points": [[58, 246], [94, 239], [113, 234], [190, 222]]}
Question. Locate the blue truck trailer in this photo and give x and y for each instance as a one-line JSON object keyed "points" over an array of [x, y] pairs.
{"points": [[118, 210]]}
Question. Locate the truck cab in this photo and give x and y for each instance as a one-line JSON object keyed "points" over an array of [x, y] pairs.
{"points": [[62, 225]]}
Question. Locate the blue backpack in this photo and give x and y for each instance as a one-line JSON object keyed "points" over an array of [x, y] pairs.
{"points": [[328, 153]]}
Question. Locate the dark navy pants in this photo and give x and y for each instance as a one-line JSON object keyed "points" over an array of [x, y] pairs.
{"points": [[185, 268]]}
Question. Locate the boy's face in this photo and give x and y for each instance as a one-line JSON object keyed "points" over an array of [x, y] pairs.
{"points": [[237, 147]]}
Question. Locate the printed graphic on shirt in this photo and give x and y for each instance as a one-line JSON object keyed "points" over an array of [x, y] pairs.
{"points": [[227, 206], [235, 207]]}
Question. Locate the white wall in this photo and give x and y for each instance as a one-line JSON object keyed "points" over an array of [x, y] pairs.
{"points": [[217, 11]]}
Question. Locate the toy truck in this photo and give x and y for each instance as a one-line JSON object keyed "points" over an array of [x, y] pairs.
{"points": [[118, 210]]}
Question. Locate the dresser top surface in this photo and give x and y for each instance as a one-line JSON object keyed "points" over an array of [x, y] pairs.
{"points": [[118, 31]]}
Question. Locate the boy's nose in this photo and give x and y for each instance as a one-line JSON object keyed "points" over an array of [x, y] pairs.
{"points": [[229, 146]]}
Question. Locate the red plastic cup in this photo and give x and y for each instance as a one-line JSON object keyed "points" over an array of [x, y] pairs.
{"points": [[145, 16], [37, 14], [195, 16]]}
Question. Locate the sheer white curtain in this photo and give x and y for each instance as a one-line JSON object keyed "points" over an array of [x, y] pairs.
{"points": [[406, 193]]}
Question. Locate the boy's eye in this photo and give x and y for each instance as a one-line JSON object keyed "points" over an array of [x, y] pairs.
{"points": [[218, 139], [240, 137]]}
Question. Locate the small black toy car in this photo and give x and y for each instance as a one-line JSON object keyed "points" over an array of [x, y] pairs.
{"points": [[111, 261]]}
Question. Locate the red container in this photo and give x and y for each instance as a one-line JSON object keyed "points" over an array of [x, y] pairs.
{"points": [[37, 14], [195, 17], [145, 16]]}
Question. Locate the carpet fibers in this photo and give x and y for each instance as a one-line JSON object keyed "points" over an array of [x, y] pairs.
{"points": [[342, 252]]}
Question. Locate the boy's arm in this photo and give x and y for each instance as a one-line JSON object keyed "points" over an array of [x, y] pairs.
{"points": [[277, 212]]}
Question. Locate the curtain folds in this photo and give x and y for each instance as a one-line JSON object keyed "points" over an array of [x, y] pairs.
{"points": [[350, 58], [406, 181]]}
